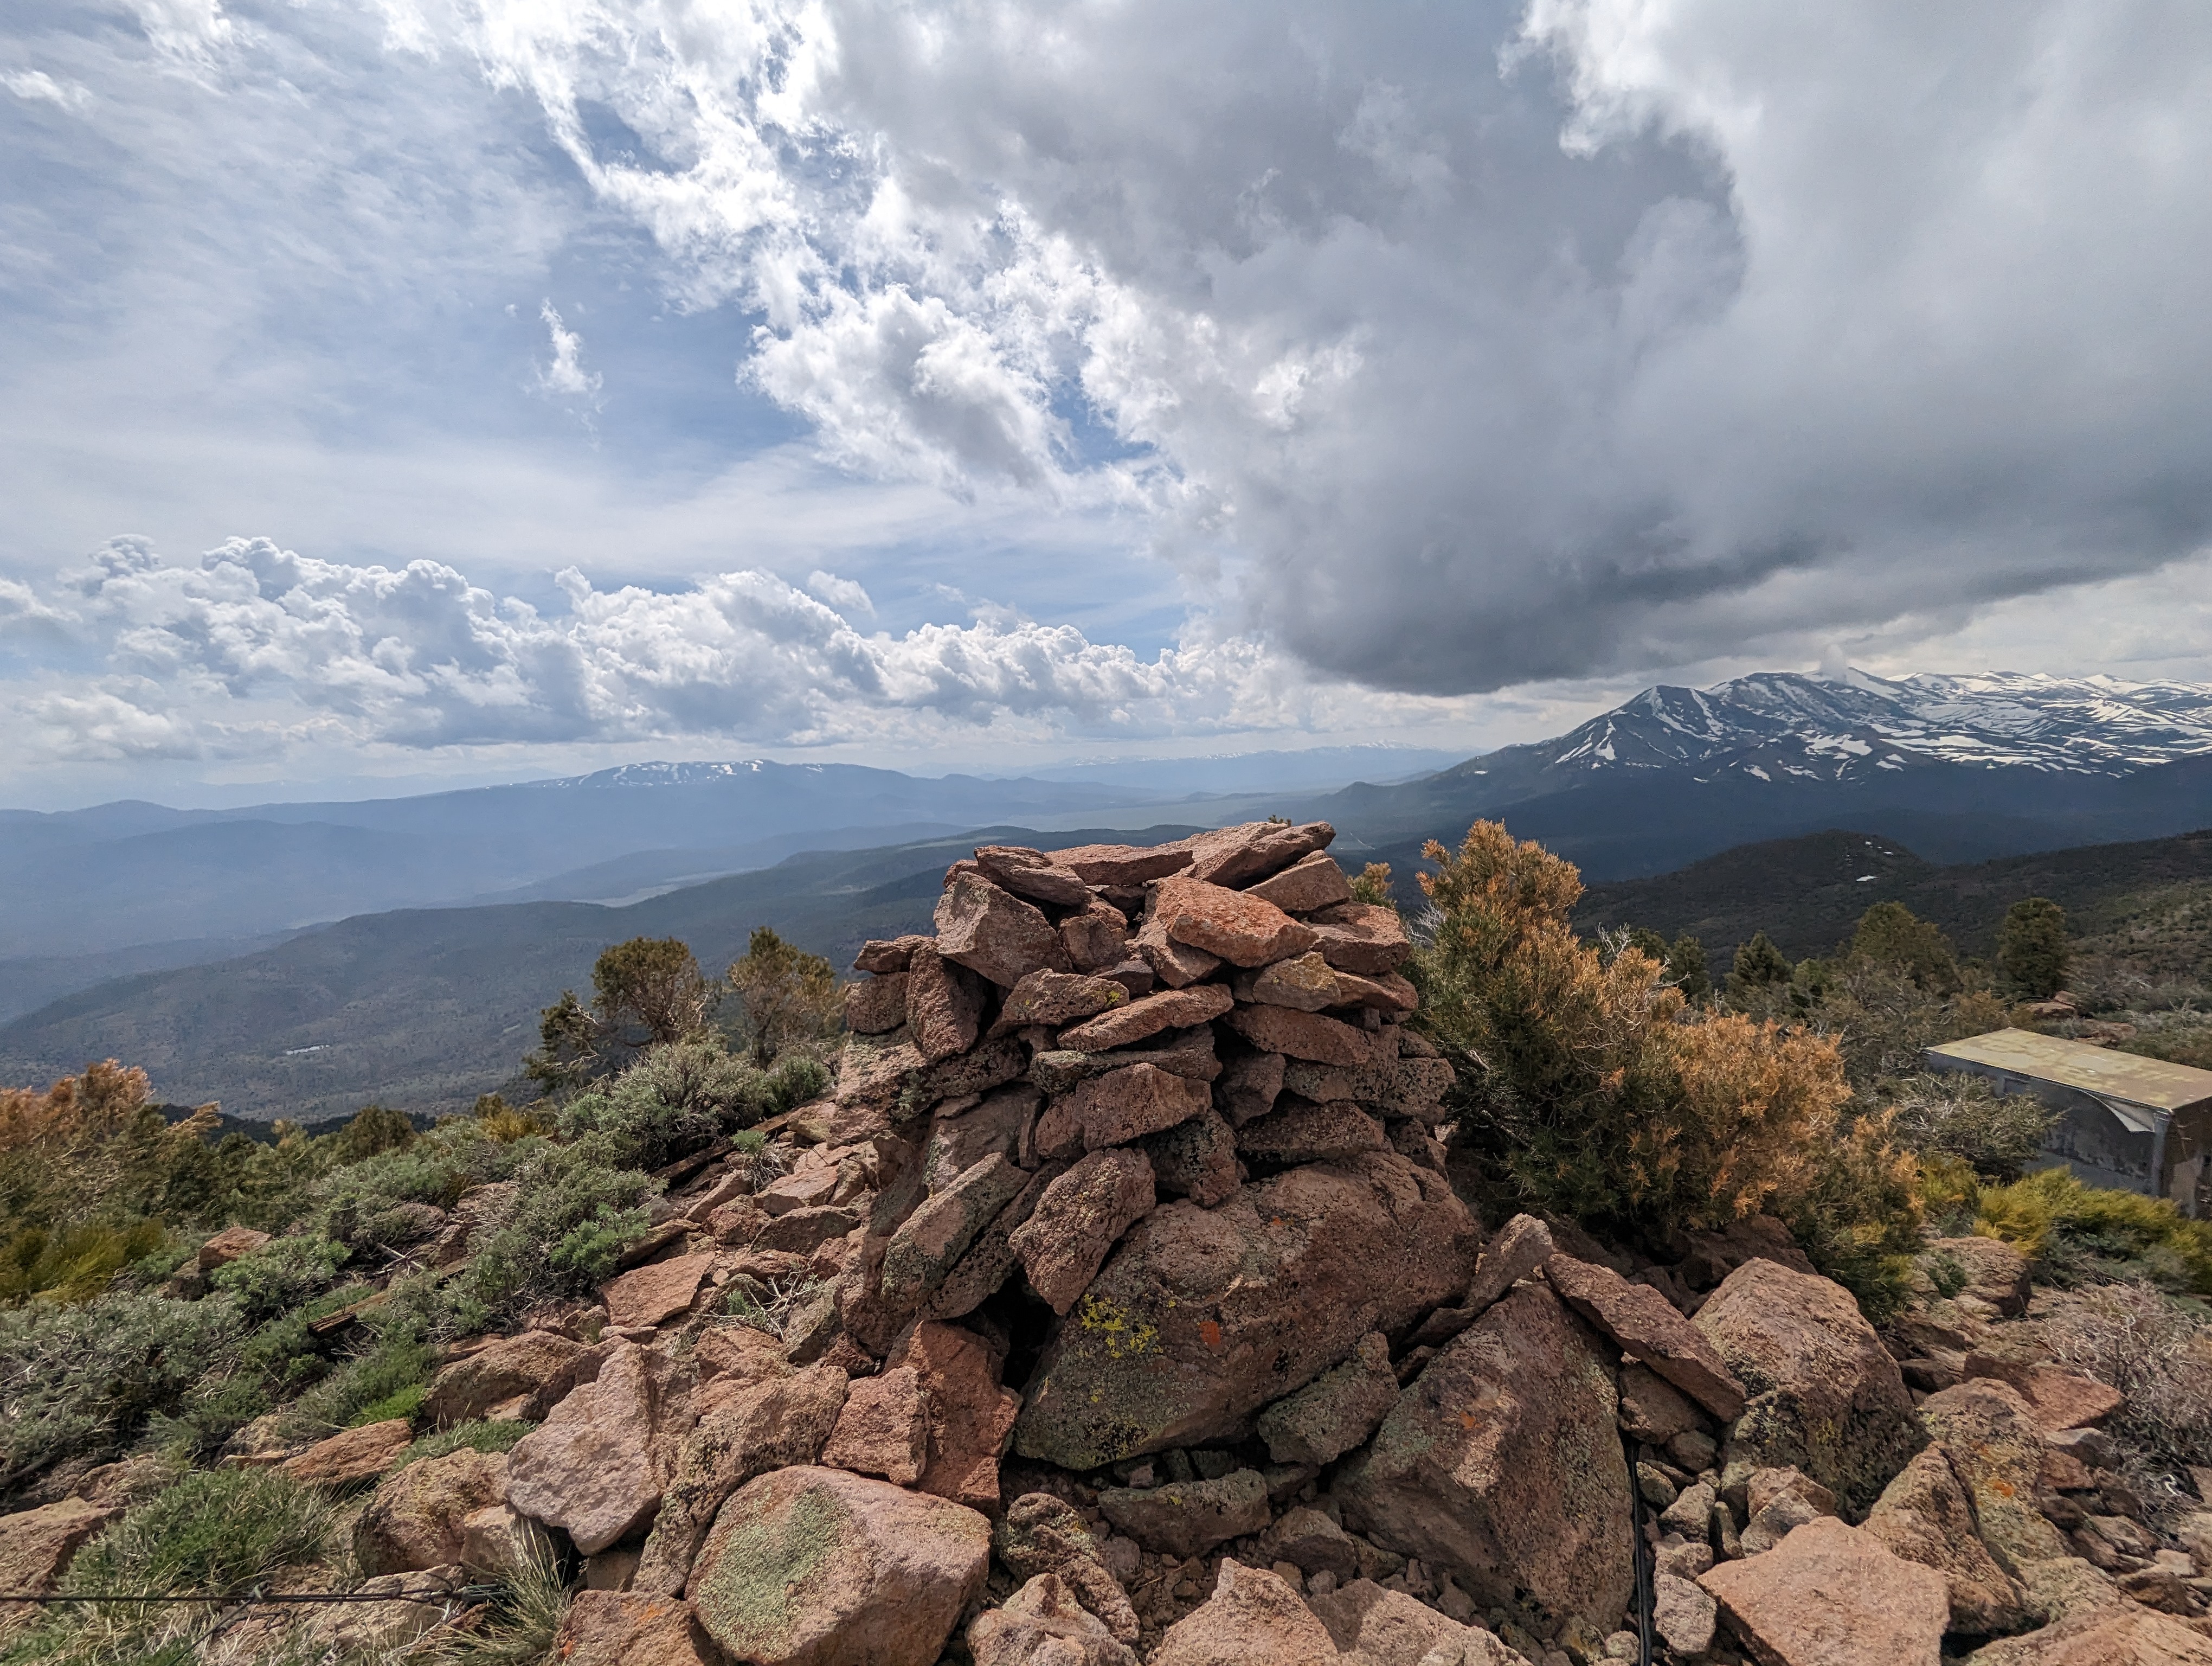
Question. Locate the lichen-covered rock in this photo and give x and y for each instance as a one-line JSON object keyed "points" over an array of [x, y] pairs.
{"points": [[499, 1540], [764, 1425], [1651, 1408], [808, 1567], [1078, 1220], [1522, 1247], [1683, 1614], [1378, 1627], [1995, 1449], [534, 1367], [1995, 1272], [1824, 1393], [1240, 855], [1033, 874], [1041, 1534], [413, 1520], [992, 930], [876, 1006], [1299, 1131], [1309, 1542], [990, 1259], [884, 1429], [1230, 925], [1336, 1411], [1043, 1624], [1123, 865], [1646, 1327], [1411, 1087], [592, 1467], [1832, 1596], [1196, 1160], [1925, 1516], [1502, 1463], [1305, 1035], [1249, 1087], [880, 954], [1052, 999], [1253, 1619], [1097, 938], [1201, 1316], [1305, 982], [998, 1124], [933, 1239], [1189, 1518], [1126, 1105], [1365, 938]]}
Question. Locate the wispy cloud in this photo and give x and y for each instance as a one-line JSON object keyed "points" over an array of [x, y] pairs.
{"points": [[565, 377], [37, 87]]}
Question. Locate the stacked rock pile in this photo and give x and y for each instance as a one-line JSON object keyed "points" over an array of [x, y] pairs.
{"points": [[1118, 1308]]}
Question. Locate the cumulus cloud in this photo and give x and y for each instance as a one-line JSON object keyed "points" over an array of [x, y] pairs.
{"points": [[255, 648], [844, 593], [1484, 342]]}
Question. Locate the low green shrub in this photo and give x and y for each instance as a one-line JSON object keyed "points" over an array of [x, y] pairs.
{"points": [[682, 1097], [82, 1380], [434, 1168], [2081, 1233], [572, 1216], [282, 1275]]}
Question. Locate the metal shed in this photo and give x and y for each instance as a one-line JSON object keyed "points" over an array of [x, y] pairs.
{"points": [[2142, 1125]]}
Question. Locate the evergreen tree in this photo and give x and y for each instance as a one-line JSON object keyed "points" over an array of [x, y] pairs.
{"points": [[1890, 934], [1758, 965], [2032, 949], [1687, 967]]}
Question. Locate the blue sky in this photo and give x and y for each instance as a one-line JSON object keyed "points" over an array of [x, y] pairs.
{"points": [[401, 391]]}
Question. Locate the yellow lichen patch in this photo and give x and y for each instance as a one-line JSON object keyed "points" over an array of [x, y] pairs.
{"points": [[1123, 1336]]}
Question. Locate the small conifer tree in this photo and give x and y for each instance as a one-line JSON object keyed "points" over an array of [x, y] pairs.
{"points": [[2032, 949]]}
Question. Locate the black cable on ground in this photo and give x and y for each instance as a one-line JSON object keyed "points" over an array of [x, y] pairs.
{"points": [[464, 1593], [1639, 1554]]}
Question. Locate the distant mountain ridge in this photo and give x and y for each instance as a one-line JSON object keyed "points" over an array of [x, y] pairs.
{"points": [[1961, 768], [1816, 729]]}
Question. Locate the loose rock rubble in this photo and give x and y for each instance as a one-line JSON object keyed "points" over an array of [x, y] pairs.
{"points": [[1124, 1313]]}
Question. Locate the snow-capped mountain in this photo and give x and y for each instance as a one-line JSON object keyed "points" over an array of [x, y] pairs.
{"points": [[1779, 724]]}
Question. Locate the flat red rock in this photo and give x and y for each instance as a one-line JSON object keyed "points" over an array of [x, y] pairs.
{"points": [[1170, 1009], [1304, 1036], [1241, 929]]}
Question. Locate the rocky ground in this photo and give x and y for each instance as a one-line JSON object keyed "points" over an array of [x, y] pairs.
{"points": [[1119, 1308]]}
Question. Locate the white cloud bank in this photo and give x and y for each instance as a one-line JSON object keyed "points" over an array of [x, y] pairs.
{"points": [[255, 651]]}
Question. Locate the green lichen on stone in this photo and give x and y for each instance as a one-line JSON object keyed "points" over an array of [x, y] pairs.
{"points": [[763, 1566]]}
